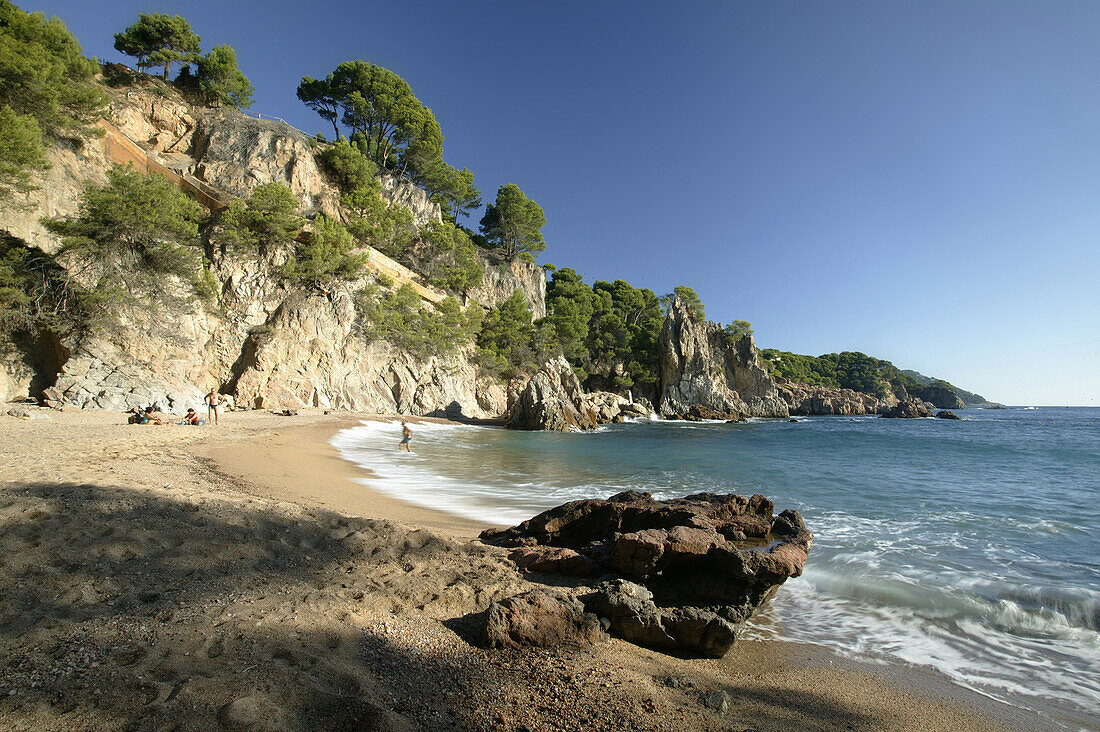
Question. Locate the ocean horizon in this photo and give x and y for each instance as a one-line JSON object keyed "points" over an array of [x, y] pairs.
{"points": [[970, 546]]}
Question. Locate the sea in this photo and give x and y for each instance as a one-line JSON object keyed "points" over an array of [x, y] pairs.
{"points": [[971, 547]]}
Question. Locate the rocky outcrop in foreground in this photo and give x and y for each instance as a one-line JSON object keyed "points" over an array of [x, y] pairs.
{"points": [[702, 366], [680, 575]]}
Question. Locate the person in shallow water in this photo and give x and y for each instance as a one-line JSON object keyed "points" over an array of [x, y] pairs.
{"points": [[406, 436]]}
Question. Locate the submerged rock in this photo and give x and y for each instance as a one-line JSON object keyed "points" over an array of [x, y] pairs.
{"points": [[687, 571]]}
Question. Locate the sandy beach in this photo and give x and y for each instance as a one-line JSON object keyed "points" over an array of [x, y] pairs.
{"points": [[243, 577]]}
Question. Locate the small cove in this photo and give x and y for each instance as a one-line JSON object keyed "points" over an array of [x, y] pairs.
{"points": [[966, 546]]}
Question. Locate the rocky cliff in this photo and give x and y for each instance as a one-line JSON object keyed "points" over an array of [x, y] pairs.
{"points": [[259, 342], [553, 400], [700, 365], [503, 277], [806, 399]]}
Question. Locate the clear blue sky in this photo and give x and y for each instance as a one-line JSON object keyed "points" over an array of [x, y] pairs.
{"points": [[916, 180]]}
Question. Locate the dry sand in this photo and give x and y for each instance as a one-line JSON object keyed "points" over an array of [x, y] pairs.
{"points": [[236, 577]]}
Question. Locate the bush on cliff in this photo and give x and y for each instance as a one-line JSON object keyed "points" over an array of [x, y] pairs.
{"points": [[412, 325], [509, 343], [268, 220], [130, 234], [389, 229], [36, 293], [449, 258], [327, 257], [21, 151], [348, 166], [46, 88]]}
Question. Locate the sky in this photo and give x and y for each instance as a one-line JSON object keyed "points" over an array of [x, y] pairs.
{"points": [[917, 181]]}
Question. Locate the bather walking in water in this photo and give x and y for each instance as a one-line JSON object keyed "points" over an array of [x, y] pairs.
{"points": [[406, 436]]}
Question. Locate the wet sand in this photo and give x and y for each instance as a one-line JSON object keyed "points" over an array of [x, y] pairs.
{"points": [[243, 577]]}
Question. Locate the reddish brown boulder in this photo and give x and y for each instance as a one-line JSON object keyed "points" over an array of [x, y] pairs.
{"points": [[544, 618], [697, 567], [553, 560]]}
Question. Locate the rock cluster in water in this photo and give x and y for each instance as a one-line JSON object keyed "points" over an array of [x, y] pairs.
{"points": [[680, 575], [909, 409]]}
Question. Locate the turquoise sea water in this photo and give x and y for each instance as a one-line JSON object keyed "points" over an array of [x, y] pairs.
{"points": [[969, 546]]}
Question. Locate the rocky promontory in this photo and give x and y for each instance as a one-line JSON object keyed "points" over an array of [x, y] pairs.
{"points": [[702, 365], [679, 575]]}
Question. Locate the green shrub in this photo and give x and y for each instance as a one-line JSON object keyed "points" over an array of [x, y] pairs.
{"points": [[403, 319], [347, 165], [131, 233], [327, 257], [389, 229], [450, 258], [268, 219]]}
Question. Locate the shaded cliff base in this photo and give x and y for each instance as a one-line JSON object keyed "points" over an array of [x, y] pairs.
{"points": [[235, 577]]}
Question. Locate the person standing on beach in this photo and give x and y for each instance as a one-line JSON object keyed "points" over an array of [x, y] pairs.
{"points": [[406, 436], [213, 402]]}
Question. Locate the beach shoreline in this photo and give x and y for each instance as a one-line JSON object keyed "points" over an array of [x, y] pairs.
{"points": [[244, 574]]}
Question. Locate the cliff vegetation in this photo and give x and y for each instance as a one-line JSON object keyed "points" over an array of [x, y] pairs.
{"points": [[157, 240]]}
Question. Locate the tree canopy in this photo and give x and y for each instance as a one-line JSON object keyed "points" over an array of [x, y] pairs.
{"points": [[379, 108], [221, 82], [158, 39], [392, 128], [608, 332], [690, 299], [268, 219], [739, 329], [846, 370], [327, 257], [513, 223], [46, 89]]}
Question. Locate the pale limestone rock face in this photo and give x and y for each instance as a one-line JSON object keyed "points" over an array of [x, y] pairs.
{"points": [[308, 354], [701, 366], [155, 122], [400, 192], [101, 375], [605, 405], [15, 373], [236, 154], [503, 277], [274, 347], [57, 193]]}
